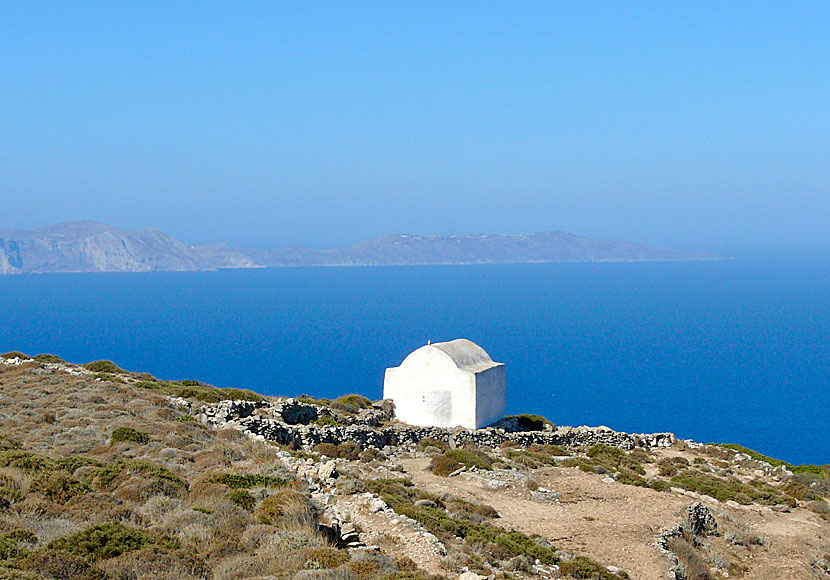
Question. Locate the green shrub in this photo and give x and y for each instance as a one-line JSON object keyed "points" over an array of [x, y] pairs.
{"points": [[101, 541], [432, 442], [724, 489], [15, 354], [585, 568], [104, 366], [49, 358], [120, 434], [107, 477], [286, 508], [242, 498], [528, 422], [185, 419], [248, 480], [327, 421], [26, 460], [819, 470], [469, 458], [8, 496], [71, 463], [351, 403], [660, 485], [9, 549], [309, 400], [58, 486], [443, 466], [8, 443]]}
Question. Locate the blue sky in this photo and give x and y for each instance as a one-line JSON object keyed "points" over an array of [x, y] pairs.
{"points": [[698, 124]]}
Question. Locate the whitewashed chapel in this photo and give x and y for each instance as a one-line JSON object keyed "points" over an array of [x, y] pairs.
{"points": [[447, 384]]}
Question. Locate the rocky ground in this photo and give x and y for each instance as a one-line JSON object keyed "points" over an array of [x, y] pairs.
{"points": [[110, 474]]}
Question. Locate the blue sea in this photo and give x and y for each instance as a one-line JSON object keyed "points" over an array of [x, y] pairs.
{"points": [[727, 351]]}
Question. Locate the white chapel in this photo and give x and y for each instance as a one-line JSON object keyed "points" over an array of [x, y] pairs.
{"points": [[447, 384]]}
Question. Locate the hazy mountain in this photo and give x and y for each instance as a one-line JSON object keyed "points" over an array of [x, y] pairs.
{"points": [[406, 249], [95, 247]]}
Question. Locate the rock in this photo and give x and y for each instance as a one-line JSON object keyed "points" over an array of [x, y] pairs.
{"points": [[425, 503], [700, 520], [732, 503], [378, 505], [469, 576], [327, 470]]}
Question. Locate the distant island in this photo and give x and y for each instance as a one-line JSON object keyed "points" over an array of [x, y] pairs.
{"points": [[87, 246]]}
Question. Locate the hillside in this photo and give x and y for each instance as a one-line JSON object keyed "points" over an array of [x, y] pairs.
{"points": [[95, 247], [108, 474]]}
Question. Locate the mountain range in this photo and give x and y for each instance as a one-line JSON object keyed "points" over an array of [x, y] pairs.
{"points": [[87, 246]]}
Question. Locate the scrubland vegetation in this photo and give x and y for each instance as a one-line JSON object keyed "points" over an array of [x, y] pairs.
{"points": [[102, 477]]}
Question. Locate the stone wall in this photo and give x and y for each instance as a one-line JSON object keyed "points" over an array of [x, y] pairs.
{"points": [[289, 422]]}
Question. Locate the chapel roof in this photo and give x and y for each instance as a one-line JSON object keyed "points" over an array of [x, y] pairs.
{"points": [[466, 355]]}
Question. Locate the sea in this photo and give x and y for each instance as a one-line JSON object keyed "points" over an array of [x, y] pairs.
{"points": [[717, 351]]}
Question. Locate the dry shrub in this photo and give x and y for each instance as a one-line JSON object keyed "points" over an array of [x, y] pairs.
{"points": [[346, 450], [691, 561], [443, 466], [207, 496], [61, 565], [287, 509], [325, 557], [152, 563], [474, 512], [265, 563], [230, 435]]}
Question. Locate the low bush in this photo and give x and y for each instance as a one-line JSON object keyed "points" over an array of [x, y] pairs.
{"points": [[470, 458], [432, 442], [15, 354], [185, 419], [536, 455], [669, 466], [818, 470], [199, 392], [106, 541], [248, 480], [286, 509], [585, 568], [120, 434], [10, 549], [693, 564], [324, 558], [104, 366], [345, 450], [529, 422], [327, 421], [61, 565], [58, 486], [351, 403], [26, 461], [49, 358], [8, 443], [242, 498], [443, 466], [111, 475], [724, 489]]}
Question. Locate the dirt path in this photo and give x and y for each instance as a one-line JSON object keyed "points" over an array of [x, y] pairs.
{"points": [[614, 524]]}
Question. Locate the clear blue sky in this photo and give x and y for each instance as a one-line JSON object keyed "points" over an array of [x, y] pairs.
{"points": [[699, 124]]}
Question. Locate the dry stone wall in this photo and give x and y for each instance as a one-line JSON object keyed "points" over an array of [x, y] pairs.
{"points": [[290, 422]]}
